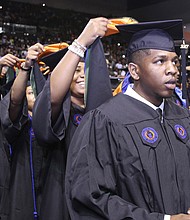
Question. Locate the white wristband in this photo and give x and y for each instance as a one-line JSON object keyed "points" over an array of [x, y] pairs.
{"points": [[77, 48], [80, 45]]}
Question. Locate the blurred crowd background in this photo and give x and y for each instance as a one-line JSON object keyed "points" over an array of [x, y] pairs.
{"points": [[23, 24]]}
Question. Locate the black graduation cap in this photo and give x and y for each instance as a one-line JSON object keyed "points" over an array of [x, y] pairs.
{"points": [[53, 59], [152, 35], [7, 81], [5, 88]]}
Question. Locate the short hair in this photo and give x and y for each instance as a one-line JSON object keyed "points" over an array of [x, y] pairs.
{"points": [[138, 55]]}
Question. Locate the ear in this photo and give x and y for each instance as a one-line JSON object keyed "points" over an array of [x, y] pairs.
{"points": [[134, 70]]}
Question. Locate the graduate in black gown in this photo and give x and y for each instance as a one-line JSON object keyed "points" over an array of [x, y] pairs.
{"points": [[126, 160], [58, 111], [4, 174], [7, 61], [29, 160], [56, 138]]}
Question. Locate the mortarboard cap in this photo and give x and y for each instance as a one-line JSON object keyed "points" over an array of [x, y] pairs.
{"points": [[152, 35], [5, 88], [53, 59]]}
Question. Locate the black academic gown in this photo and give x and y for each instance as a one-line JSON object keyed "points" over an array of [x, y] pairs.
{"points": [[4, 174], [21, 199], [123, 163], [56, 138]]}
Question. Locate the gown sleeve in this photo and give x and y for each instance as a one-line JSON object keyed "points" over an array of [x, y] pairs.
{"points": [[92, 174], [4, 172], [12, 129], [41, 120]]}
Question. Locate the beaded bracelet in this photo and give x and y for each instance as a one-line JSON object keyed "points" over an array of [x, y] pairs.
{"points": [[80, 45], [77, 48]]}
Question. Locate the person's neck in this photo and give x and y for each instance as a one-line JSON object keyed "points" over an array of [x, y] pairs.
{"points": [[155, 101], [78, 101]]}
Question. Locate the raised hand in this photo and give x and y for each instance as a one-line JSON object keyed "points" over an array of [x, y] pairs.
{"points": [[32, 54], [96, 27], [8, 60]]}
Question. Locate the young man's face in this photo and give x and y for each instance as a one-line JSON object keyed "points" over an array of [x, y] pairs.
{"points": [[78, 83], [158, 73], [30, 98]]}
